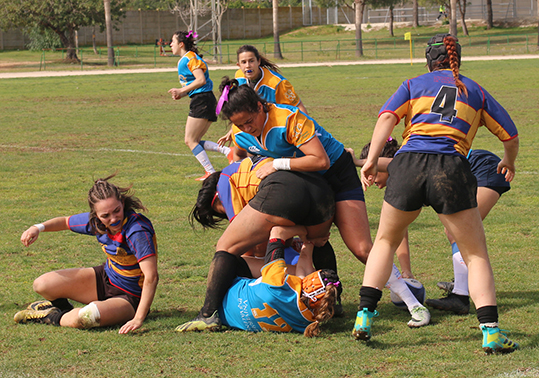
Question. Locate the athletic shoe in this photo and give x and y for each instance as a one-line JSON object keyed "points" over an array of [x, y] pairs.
{"points": [[495, 341], [450, 303], [420, 317], [446, 286], [202, 178], [362, 327], [35, 316], [201, 323], [40, 305], [230, 156]]}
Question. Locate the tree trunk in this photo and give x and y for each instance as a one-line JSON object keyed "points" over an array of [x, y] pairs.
{"points": [[391, 19], [415, 21], [359, 7], [462, 9], [453, 20], [490, 21], [538, 24], [68, 41], [276, 44], [93, 41], [108, 25]]}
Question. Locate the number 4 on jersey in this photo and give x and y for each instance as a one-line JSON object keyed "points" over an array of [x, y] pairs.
{"points": [[444, 103]]}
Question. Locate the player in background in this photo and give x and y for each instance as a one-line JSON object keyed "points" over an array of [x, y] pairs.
{"points": [[279, 301], [265, 78], [121, 290], [196, 83], [490, 186], [442, 111], [298, 143]]}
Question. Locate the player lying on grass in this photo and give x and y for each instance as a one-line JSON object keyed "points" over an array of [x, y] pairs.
{"points": [[278, 301], [443, 111], [121, 290]]}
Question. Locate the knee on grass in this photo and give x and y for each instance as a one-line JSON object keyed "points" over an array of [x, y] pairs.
{"points": [[89, 317]]}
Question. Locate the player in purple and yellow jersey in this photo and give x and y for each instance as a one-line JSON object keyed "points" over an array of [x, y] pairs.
{"points": [[442, 111], [121, 290], [196, 83]]}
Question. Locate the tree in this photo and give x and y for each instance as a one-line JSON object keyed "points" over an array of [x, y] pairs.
{"points": [[63, 17], [415, 14], [276, 44], [359, 9], [390, 4], [453, 19], [462, 9], [490, 20]]}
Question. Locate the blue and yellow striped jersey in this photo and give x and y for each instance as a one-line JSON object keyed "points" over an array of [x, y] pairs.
{"points": [[186, 65]]}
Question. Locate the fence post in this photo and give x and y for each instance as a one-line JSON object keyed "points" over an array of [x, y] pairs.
{"points": [[81, 59], [488, 45], [302, 51]]}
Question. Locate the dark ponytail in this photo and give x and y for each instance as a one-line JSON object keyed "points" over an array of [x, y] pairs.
{"points": [[241, 98]]}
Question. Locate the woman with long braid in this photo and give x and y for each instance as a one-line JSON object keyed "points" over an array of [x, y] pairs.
{"points": [[443, 111]]}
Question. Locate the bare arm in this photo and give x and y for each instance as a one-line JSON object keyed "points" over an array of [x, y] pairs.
{"points": [[151, 278], [507, 165], [55, 224]]}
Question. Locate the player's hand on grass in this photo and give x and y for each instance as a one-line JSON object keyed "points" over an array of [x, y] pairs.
{"points": [[131, 325]]}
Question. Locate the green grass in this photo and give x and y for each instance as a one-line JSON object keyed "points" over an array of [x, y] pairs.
{"points": [[324, 43], [58, 134]]}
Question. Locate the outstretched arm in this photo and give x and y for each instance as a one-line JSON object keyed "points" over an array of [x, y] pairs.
{"points": [[56, 224]]}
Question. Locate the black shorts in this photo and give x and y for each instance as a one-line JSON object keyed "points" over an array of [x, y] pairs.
{"points": [[484, 165], [203, 106], [343, 178], [106, 290], [444, 182], [301, 197]]}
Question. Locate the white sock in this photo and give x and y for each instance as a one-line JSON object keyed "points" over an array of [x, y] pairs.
{"points": [[212, 146], [461, 274], [398, 286], [203, 158]]}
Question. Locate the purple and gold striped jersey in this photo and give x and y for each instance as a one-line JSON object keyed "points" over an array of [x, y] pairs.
{"points": [[439, 120], [124, 250]]}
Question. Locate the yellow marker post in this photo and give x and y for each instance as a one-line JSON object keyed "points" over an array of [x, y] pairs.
{"points": [[408, 37]]}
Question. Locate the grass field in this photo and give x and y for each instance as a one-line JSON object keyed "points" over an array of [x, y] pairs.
{"points": [[61, 133]]}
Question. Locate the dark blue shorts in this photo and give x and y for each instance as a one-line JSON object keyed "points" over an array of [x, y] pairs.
{"points": [[484, 165], [343, 178], [444, 182]]}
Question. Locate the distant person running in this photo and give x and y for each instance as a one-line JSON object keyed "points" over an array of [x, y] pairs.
{"points": [[196, 83], [120, 291]]}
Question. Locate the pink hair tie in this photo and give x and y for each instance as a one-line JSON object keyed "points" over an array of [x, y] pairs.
{"points": [[192, 34], [222, 99], [390, 139]]}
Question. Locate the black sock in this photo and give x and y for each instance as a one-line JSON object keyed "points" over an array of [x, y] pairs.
{"points": [[487, 314], [63, 304], [223, 271], [324, 257], [369, 298], [54, 317]]}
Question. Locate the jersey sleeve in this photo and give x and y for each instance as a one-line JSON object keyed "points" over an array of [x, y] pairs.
{"points": [[80, 223], [300, 128], [497, 120], [275, 273], [285, 94], [195, 64], [236, 130], [398, 103], [143, 244]]}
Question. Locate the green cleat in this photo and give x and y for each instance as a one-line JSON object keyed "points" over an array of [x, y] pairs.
{"points": [[362, 327], [35, 316], [201, 323], [496, 342]]}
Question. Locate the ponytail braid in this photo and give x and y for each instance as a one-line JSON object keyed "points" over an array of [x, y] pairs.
{"points": [[454, 63], [322, 312]]}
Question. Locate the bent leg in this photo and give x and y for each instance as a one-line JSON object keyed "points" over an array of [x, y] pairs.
{"points": [[109, 312], [78, 284], [195, 128], [353, 224]]}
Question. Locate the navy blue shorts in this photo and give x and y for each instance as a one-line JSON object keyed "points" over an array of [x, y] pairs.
{"points": [[444, 182], [203, 106], [484, 165], [343, 178]]}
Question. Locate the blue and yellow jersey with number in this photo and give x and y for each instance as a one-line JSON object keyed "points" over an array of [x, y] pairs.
{"points": [[272, 87], [238, 184], [285, 130], [187, 65], [438, 120], [269, 303], [124, 250]]}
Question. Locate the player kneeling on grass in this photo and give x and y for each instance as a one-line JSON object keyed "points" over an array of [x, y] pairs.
{"points": [[120, 291], [443, 111], [278, 301]]}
